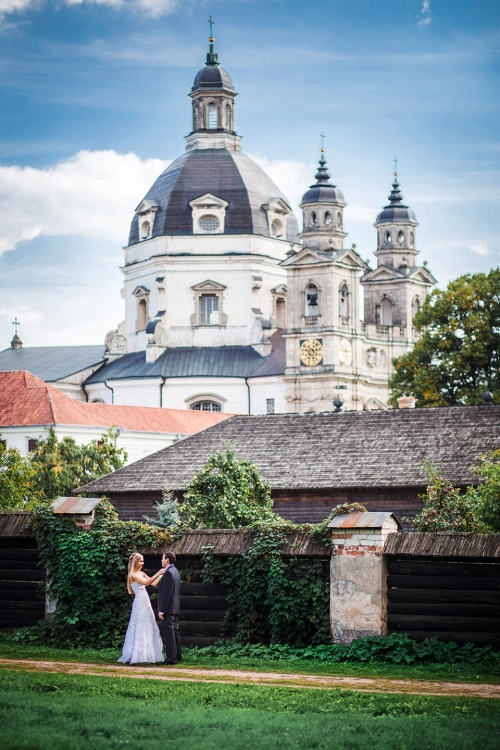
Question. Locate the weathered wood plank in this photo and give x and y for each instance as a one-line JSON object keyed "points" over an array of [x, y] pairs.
{"points": [[203, 602], [29, 604], [201, 615], [18, 554], [18, 586], [20, 565], [452, 635], [437, 623], [204, 589], [440, 544], [410, 566], [22, 575], [446, 610], [201, 628], [443, 582], [439, 596], [13, 523]]}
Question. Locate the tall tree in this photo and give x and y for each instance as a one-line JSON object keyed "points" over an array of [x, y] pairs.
{"points": [[17, 480], [457, 357], [61, 465]]}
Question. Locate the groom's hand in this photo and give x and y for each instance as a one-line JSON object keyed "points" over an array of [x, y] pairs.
{"points": [[160, 615]]}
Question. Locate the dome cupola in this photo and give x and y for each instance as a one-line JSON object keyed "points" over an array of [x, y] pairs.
{"points": [[396, 225], [322, 212]]}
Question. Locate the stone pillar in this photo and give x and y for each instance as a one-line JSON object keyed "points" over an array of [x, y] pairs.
{"points": [[358, 575]]}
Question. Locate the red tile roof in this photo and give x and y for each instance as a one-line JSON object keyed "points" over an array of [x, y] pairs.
{"points": [[27, 400]]}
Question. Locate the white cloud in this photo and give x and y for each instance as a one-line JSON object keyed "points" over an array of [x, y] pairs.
{"points": [[480, 249], [425, 15], [293, 177], [92, 195], [153, 8]]}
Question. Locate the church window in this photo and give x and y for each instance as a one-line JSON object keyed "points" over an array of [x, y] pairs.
{"points": [[339, 220], [209, 310], [311, 300], [386, 312], [328, 218], [269, 405], [280, 313], [97, 401], [415, 306], [206, 406], [32, 445], [388, 238], [212, 117], [228, 117], [344, 302], [401, 238], [209, 223], [145, 230], [277, 229], [313, 218], [412, 238], [142, 315]]}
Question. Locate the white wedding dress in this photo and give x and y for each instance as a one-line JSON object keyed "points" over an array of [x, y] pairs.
{"points": [[143, 642]]}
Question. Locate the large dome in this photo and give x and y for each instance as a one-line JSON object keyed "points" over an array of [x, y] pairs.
{"points": [[227, 174], [396, 211]]}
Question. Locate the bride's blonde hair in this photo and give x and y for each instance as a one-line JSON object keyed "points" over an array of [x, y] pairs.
{"points": [[133, 564]]}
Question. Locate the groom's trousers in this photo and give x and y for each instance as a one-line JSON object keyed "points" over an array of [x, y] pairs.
{"points": [[171, 636]]}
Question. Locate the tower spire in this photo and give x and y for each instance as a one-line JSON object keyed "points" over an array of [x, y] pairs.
{"points": [[212, 56]]}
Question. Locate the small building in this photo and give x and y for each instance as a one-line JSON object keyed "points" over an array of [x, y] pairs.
{"points": [[28, 406], [314, 462]]}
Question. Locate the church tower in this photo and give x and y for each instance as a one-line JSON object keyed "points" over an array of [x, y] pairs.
{"points": [[396, 289], [322, 212]]}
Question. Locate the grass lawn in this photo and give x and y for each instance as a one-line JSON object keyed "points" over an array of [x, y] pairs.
{"points": [[448, 672], [73, 712]]}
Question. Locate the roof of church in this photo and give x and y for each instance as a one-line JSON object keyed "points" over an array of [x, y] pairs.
{"points": [[196, 361], [227, 174], [323, 191], [27, 401], [328, 450], [51, 363], [396, 209]]}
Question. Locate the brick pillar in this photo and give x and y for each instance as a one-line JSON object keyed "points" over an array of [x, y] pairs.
{"points": [[358, 575]]}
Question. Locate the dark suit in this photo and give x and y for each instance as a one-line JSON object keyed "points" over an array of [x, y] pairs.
{"points": [[169, 605]]}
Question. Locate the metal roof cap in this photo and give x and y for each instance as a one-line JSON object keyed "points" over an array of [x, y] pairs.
{"points": [[75, 505], [362, 520]]}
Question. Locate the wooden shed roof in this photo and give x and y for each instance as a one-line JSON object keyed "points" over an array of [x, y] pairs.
{"points": [[307, 451]]}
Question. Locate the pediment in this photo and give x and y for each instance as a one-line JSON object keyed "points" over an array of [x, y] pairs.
{"points": [[140, 291], [421, 273], [278, 205], [208, 286], [208, 200], [280, 289], [384, 273], [146, 207], [351, 258], [307, 256]]}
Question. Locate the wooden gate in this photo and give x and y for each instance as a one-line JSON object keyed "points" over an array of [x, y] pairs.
{"points": [[22, 602]]}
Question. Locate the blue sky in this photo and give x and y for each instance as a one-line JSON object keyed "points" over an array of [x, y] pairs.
{"points": [[93, 104]]}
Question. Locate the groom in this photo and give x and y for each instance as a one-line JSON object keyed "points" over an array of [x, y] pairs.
{"points": [[169, 607]]}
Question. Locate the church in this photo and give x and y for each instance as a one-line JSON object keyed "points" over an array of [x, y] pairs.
{"points": [[228, 306]]}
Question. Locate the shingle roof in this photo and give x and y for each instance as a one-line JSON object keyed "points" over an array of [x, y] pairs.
{"points": [[51, 363], [199, 361], [307, 451], [27, 400]]}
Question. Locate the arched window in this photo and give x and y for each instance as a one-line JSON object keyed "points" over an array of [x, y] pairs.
{"points": [[312, 300], [386, 312], [145, 230], [328, 218], [228, 117], [209, 223], [412, 238], [212, 117], [344, 301], [209, 310], [313, 218], [415, 306], [142, 314], [97, 401], [339, 220], [280, 313], [388, 238], [401, 238], [277, 228], [206, 406]]}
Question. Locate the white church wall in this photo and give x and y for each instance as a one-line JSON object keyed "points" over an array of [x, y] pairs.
{"points": [[231, 393], [267, 389]]}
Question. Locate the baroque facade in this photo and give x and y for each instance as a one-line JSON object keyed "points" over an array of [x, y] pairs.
{"points": [[228, 307]]}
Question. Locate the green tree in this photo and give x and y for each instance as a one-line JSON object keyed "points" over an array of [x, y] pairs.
{"points": [[227, 493], [458, 355], [445, 508], [62, 466], [486, 497], [17, 480]]}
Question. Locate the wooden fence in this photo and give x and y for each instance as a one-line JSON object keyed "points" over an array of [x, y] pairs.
{"points": [[444, 585]]}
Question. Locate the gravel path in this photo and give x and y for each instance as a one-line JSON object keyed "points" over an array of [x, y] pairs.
{"points": [[238, 677]]}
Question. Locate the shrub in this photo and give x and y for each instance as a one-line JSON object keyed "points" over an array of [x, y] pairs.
{"points": [[486, 497]]}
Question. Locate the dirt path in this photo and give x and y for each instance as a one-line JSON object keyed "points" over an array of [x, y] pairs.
{"points": [[237, 677]]}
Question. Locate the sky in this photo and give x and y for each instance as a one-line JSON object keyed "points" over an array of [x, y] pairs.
{"points": [[93, 106]]}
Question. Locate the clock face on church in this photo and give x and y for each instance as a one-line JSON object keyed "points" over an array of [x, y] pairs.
{"points": [[311, 352]]}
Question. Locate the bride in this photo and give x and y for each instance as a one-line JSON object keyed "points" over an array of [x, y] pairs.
{"points": [[143, 642]]}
